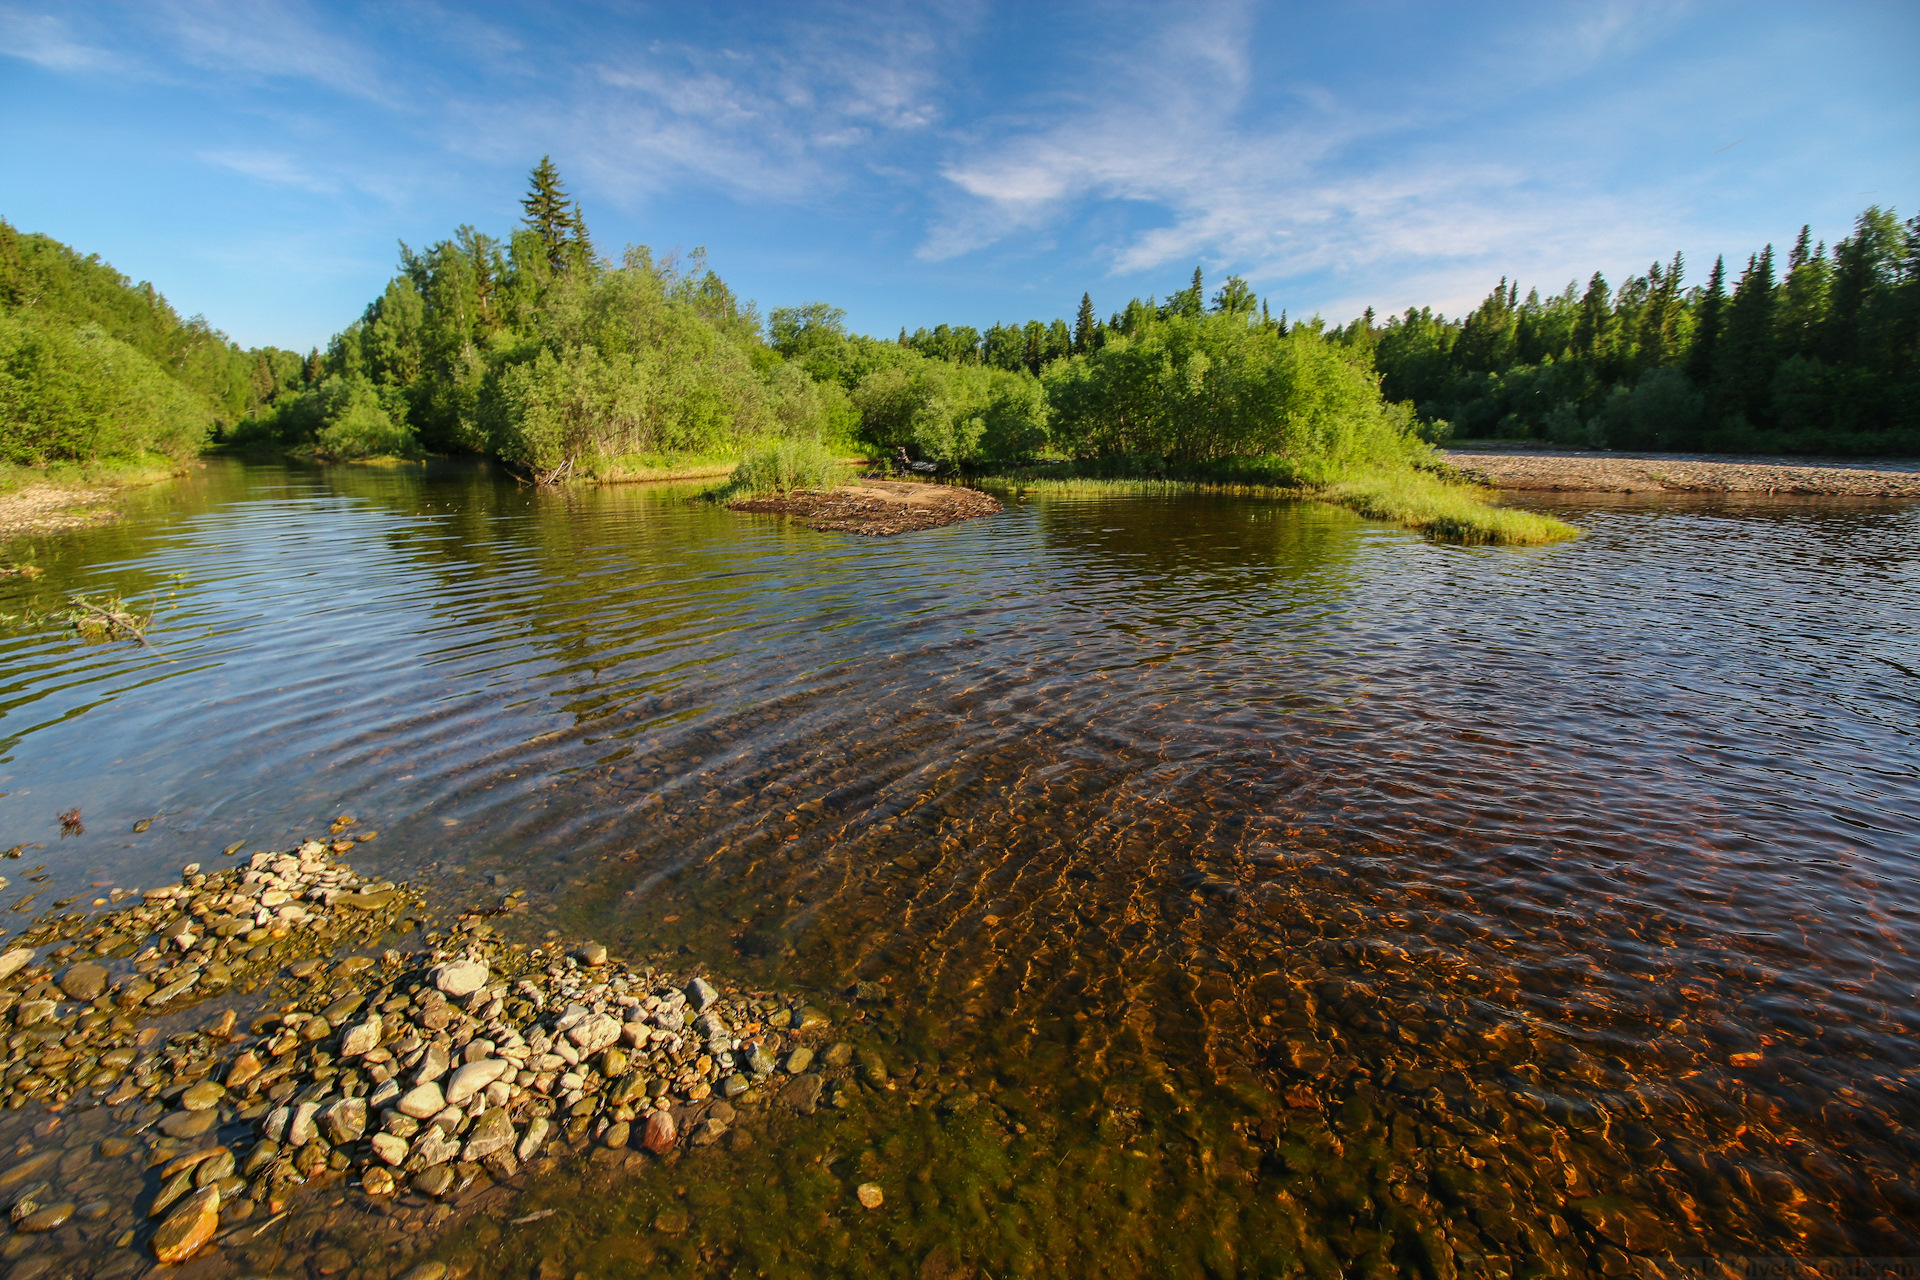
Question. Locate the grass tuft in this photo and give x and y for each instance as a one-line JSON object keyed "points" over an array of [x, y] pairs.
{"points": [[786, 466], [1444, 509]]}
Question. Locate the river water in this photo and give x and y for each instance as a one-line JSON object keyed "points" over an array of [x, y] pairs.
{"points": [[1236, 887]]}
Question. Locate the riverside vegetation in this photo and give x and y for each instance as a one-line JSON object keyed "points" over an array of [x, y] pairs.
{"points": [[436, 1072], [560, 363]]}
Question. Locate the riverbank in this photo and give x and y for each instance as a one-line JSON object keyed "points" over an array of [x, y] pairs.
{"points": [[72, 495], [877, 508], [422, 1083], [1501, 465]]}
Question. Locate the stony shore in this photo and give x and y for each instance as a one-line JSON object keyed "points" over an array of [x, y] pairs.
{"points": [[1586, 471], [46, 508], [878, 508], [423, 1075]]}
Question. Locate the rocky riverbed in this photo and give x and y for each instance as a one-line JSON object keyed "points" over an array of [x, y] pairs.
{"points": [[1506, 466], [153, 1129], [878, 508]]}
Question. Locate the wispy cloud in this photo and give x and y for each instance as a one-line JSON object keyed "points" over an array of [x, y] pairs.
{"points": [[267, 39], [49, 42], [269, 166], [1289, 183]]}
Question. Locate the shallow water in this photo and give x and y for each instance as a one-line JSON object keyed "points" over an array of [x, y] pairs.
{"points": [[1245, 887]]}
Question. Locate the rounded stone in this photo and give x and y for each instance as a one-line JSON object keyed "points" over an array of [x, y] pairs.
{"points": [[54, 1215], [423, 1101], [799, 1060], [188, 1227], [460, 978], [869, 1195], [84, 981], [203, 1096], [189, 1124]]}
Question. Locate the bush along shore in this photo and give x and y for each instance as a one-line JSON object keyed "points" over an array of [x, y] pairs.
{"points": [[415, 1081]]}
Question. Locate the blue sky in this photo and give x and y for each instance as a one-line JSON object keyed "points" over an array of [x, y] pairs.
{"points": [[958, 162]]}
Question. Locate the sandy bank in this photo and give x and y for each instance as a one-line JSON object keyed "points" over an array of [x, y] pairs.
{"points": [[1584, 471]]}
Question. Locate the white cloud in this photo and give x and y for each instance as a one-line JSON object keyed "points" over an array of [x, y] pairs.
{"points": [[268, 166], [1289, 191], [45, 41], [270, 39]]}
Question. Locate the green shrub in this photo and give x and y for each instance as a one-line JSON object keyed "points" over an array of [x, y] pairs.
{"points": [[788, 465], [952, 413], [78, 395]]}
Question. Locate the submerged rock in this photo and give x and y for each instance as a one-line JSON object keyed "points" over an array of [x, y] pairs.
{"points": [[189, 1226]]}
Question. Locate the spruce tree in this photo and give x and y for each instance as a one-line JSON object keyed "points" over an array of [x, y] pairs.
{"points": [[1706, 336], [554, 217], [1085, 326], [1745, 360]]}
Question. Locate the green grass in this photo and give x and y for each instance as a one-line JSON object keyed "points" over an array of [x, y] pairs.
{"points": [[1444, 509], [102, 473], [786, 466]]}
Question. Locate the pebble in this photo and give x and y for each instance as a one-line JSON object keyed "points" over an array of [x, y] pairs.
{"points": [[188, 1227], [44, 1219], [396, 1066], [189, 1124], [202, 1096], [84, 981], [461, 978], [423, 1102], [869, 1195], [661, 1133]]}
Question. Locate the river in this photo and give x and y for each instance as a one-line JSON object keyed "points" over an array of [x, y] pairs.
{"points": [[1233, 887]]}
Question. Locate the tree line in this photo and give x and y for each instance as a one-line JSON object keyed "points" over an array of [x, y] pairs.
{"points": [[540, 351], [1816, 354], [556, 360], [95, 366]]}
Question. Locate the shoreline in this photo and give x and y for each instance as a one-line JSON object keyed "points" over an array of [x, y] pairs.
{"points": [[425, 1084], [1553, 470], [70, 498]]}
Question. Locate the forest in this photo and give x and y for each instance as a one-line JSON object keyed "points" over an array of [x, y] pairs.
{"points": [[540, 351], [93, 366], [1819, 353]]}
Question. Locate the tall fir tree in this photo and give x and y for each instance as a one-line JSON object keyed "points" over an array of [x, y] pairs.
{"points": [[1660, 319], [555, 217], [1593, 329], [1705, 351], [1086, 327], [1746, 357]]}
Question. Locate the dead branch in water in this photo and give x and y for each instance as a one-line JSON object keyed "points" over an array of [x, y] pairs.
{"points": [[113, 618]]}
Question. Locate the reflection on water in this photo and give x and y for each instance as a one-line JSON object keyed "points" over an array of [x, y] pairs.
{"points": [[1234, 887]]}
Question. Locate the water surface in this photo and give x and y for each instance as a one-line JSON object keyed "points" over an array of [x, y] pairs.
{"points": [[1245, 888]]}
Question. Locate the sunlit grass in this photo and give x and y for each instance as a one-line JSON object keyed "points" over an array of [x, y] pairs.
{"points": [[102, 473], [1442, 509], [789, 465]]}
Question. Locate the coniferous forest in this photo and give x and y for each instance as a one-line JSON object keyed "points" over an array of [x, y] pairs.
{"points": [[540, 351]]}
